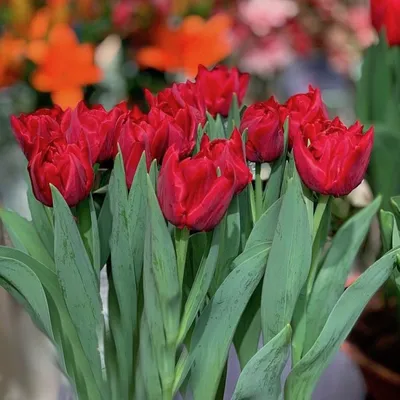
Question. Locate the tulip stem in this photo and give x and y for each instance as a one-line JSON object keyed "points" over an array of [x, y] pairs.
{"points": [[318, 215], [259, 192], [181, 245]]}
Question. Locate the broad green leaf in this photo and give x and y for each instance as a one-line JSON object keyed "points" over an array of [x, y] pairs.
{"points": [[162, 291], [41, 221], [273, 187], [233, 120], [201, 283], [123, 276], [25, 238], [25, 281], [79, 285], [216, 326], [153, 173], [229, 245], [137, 208], [335, 269], [105, 227], [386, 221], [71, 345], [89, 230], [305, 375], [261, 378], [148, 366], [248, 331], [288, 263]]}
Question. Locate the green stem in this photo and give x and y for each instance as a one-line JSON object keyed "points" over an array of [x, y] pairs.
{"points": [[181, 245], [259, 192], [318, 215]]}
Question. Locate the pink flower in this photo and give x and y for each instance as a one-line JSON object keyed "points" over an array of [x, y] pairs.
{"points": [[263, 15]]}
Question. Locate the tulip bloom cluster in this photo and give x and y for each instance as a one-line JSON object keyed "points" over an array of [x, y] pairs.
{"points": [[194, 190]]}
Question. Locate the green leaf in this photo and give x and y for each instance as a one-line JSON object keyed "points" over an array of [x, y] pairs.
{"points": [[201, 283], [137, 209], [25, 238], [273, 188], [288, 263], [89, 230], [335, 269], [79, 285], [105, 227], [261, 378], [41, 221], [233, 120], [216, 326], [24, 280], [305, 375], [123, 275], [246, 218], [70, 344], [148, 365], [386, 222], [230, 244], [162, 291], [153, 173]]}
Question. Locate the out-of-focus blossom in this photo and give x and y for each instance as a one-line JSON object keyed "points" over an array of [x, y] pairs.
{"points": [[11, 59], [268, 56], [359, 20], [195, 41], [64, 67], [263, 15]]}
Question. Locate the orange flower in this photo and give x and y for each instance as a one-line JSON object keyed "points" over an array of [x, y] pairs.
{"points": [[194, 42], [64, 66], [11, 59]]}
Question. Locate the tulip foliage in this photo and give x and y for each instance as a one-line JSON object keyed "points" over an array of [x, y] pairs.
{"points": [[200, 256]]}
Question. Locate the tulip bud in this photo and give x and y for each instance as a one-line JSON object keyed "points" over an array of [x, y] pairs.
{"points": [[264, 131], [134, 138], [66, 166], [385, 14], [227, 153], [40, 126], [218, 86], [303, 108], [190, 192], [332, 159]]}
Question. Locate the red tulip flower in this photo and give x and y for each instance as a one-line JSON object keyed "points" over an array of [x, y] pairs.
{"points": [[227, 153], [190, 192], [178, 96], [303, 108], [385, 14], [66, 166], [332, 159], [134, 138], [264, 131], [218, 86], [98, 126], [40, 126]]}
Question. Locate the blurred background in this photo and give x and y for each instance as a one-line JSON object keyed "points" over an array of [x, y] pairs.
{"points": [[105, 51]]}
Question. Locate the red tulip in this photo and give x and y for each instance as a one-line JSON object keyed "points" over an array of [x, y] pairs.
{"points": [[66, 166], [331, 158], [190, 192], [386, 14], [227, 153], [302, 109], [179, 130], [179, 96], [40, 126], [264, 131], [135, 137], [218, 86], [97, 124]]}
